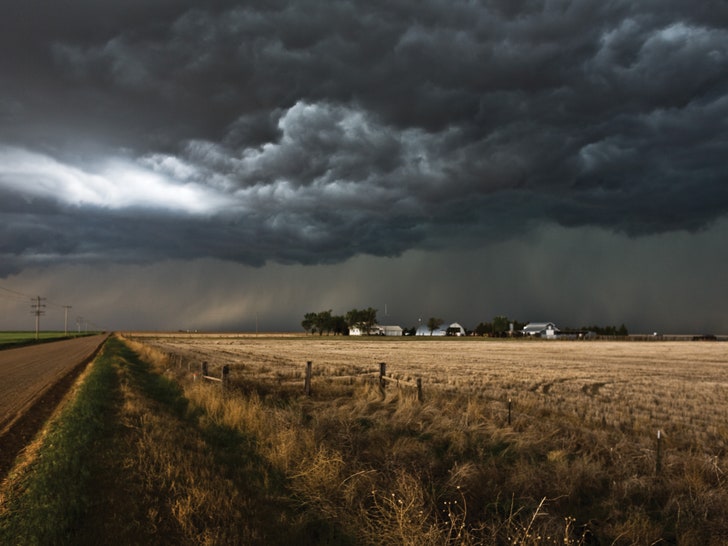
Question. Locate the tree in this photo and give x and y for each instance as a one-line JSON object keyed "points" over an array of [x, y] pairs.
{"points": [[309, 322], [484, 328], [501, 325], [364, 319], [324, 322], [434, 323], [607, 330], [339, 326]]}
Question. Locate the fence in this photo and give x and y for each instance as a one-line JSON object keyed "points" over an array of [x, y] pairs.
{"points": [[224, 378], [382, 379]]}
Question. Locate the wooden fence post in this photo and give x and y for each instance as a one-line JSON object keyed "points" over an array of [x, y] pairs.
{"points": [[204, 369], [307, 384], [382, 374], [509, 411], [419, 389], [225, 378], [658, 457]]}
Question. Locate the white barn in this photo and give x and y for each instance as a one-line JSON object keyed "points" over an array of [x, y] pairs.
{"points": [[456, 329], [541, 329]]}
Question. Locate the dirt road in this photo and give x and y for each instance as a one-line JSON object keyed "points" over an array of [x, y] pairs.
{"points": [[33, 376]]}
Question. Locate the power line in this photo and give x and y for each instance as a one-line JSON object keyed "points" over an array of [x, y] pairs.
{"points": [[22, 295], [37, 309], [15, 293], [65, 322], [38, 306]]}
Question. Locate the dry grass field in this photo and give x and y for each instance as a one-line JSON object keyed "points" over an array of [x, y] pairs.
{"points": [[578, 463]]}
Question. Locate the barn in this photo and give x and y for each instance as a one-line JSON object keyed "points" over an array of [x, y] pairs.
{"points": [[391, 330], [541, 329]]}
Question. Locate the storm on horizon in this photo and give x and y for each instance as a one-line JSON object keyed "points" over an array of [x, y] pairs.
{"points": [[178, 164]]}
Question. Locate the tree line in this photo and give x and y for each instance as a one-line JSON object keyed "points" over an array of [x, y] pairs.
{"points": [[498, 327], [325, 322]]}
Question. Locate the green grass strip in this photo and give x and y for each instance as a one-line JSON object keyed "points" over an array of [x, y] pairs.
{"points": [[10, 340], [51, 498]]}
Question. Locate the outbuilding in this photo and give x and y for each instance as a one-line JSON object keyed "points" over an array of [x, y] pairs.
{"points": [[391, 330], [541, 329], [455, 329]]}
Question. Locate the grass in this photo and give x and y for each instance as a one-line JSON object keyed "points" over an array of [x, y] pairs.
{"points": [[16, 339], [130, 460], [577, 463], [169, 459], [41, 505]]}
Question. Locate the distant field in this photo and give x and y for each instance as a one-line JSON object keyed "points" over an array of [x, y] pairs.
{"points": [[9, 338], [678, 387]]}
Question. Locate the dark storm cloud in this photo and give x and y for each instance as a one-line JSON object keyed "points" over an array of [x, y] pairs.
{"points": [[309, 132]]}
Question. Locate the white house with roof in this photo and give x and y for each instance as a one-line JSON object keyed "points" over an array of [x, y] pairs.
{"points": [[541, 329], [377, 330]]}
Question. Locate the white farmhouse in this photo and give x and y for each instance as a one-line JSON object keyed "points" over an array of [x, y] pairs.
{"points": [[541, 329], [377, 330]]}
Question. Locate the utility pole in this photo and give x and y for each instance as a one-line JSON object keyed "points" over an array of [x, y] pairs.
{"points": [[37, 310], [65, 323]]}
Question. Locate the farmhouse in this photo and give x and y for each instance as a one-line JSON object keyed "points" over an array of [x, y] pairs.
{"points": [[541, 329], [377, 330]]}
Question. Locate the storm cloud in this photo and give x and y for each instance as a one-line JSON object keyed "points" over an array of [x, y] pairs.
{"points": [[314, 132]]}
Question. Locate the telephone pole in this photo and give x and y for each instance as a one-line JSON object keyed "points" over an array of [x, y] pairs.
{"points": [[65, 323], [37, 310]]}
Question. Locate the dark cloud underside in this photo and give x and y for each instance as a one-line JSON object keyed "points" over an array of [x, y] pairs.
{"points": [[310, 132]]}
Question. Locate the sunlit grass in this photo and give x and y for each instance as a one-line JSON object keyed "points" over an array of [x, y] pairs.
{"points": [[174, 459], [25, 338], [577, 460], [49, 496]]}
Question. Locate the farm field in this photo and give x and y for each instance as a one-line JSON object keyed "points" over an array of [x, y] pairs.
{"points": [[14, 338], [550, 439], [678, 387]]}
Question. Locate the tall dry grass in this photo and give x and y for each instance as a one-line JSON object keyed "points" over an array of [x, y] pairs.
{"points": [[576, 465], [177, 473]]}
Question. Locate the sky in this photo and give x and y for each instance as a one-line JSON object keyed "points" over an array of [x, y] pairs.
{"points": [[187, 164]]}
